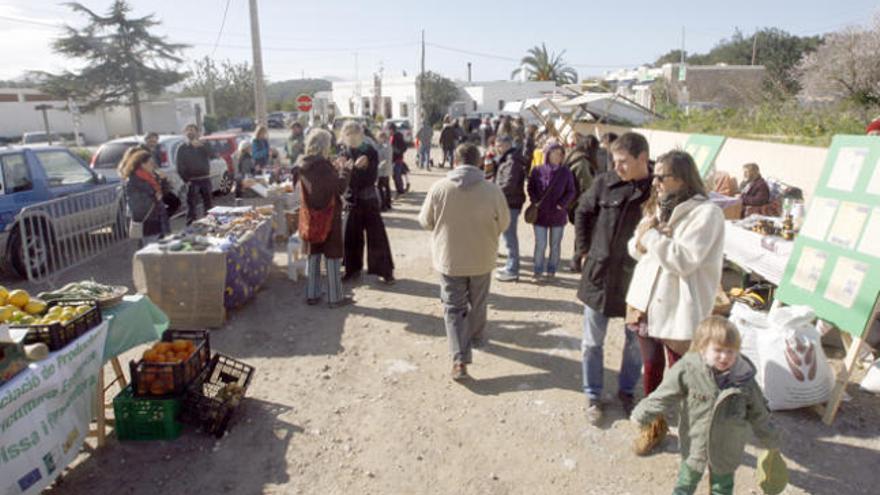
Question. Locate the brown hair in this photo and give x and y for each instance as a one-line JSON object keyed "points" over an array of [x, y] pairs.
{"points": [[259, 130], [752, 167], [631, 142], [681, 166], [716, 330], [467, 154], [133, 161]]}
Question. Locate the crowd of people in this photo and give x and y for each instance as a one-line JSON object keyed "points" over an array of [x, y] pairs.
{"points": [[648, 246]]}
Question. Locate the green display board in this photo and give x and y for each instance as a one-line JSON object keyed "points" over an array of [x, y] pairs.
{"points": [[835, 264], [704, 148]]}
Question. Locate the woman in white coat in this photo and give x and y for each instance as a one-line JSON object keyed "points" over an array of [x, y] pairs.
{"points": [[679, 247]]}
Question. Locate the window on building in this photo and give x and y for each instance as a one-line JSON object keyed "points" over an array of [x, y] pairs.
{"points": [[500, 105], [404, 110]]}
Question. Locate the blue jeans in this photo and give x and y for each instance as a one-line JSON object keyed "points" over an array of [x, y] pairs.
{"points": [[424, 155], [334, 278], [511, 241], [541, 234], [592, 348]]}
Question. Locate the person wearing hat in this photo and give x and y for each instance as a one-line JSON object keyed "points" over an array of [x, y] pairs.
{"points": [[873, 128], [510, 176]]}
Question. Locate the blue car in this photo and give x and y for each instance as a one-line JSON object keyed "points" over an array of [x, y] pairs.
{"points": [[29, 176]]}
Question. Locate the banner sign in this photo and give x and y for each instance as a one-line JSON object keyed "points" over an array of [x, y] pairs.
{"points": [[45, 413]]}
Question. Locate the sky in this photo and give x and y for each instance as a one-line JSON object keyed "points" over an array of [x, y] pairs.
{"points": [[348, 38]]}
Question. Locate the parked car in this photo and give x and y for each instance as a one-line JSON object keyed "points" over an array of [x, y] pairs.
{"points": [[106, 160], [224, 145], [405, 128], [32, 175], [275, 120], [243, 123], [37, 138]]}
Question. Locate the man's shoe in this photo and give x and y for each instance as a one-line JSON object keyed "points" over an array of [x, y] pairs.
{"points": [[459, 372], [349, 277], [388, 280], [311, 301], [594, 411], [628, 402], [650, 436], [505, 276], [345, 301]]}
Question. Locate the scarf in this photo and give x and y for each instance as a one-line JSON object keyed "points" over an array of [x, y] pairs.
{"points": [[668, 202], [149, 178]]}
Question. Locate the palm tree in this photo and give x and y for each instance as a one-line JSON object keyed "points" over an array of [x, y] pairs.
{"points": [[542, 65]]}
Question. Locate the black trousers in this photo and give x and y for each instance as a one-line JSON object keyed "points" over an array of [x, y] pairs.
{"points": [[367, 220], [385, 192], [198, 189]]}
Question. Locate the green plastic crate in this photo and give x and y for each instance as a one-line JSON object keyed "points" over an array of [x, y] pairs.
{"points": [[146, 419]]}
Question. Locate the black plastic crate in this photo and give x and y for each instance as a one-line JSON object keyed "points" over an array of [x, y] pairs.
{"points": [[173, 378], [56, 336], [211, 402]]}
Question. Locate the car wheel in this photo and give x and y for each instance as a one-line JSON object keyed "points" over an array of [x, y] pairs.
{"points": [[37, 247], [226, 183]]}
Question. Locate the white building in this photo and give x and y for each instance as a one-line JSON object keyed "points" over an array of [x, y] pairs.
{"points": [[397, 96], [18, 114]]}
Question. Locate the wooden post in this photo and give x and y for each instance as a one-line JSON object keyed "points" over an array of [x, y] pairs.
{"points": [[852, 354]]}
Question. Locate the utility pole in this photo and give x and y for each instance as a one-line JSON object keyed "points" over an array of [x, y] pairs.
{"points": [[259, 89], [469, 72], [212, 110], [754, 47], [43, 108], [420, 96]]}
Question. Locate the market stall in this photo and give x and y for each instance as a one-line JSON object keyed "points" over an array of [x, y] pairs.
{"points": [[756, 253], [217, 263], [47, 405]]}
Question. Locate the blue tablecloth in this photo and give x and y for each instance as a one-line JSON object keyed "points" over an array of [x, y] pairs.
{"points": [[134, 321], [247, 265]]}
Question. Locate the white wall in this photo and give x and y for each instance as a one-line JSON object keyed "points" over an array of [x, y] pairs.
{"points": [[487, 94], [399, 89]]}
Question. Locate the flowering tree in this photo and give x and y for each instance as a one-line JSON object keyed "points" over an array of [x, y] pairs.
{"points": [[845, 67]]}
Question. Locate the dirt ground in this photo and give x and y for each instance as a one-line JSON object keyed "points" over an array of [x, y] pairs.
{"points": [[359, 400]]}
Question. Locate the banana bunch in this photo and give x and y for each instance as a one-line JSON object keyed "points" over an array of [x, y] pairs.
{"points": [[751, 298]]}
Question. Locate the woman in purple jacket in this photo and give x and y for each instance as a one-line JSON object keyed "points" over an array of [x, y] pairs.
{"points": [[551, 187]]}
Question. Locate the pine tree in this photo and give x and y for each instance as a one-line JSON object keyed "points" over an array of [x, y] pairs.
{"points": [[123, 60]]}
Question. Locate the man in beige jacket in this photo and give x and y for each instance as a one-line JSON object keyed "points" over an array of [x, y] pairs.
{"points": [[465, 214]]}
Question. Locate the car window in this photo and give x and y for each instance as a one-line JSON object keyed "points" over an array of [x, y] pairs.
{"points": [[171, 148], [110, 154], [63, 169], [16, 175]]}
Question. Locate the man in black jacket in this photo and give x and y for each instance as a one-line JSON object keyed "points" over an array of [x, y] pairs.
{"points": [[194, 167], [510, 175], [605, 220]]}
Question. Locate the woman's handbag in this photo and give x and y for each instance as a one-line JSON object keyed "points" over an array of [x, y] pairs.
{"points": [[136, 229], [314, 225], [531, 214]]}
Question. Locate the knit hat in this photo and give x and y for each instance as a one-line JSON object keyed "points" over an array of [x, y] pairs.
{"points": [[549, 147], [873, 126]]}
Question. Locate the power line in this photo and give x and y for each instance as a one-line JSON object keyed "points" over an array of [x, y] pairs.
{"points": [[220, 33]]}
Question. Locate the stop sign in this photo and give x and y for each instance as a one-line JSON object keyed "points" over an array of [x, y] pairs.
{"points": [[303, 103]]}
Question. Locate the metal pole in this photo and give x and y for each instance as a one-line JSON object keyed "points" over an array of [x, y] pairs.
{"points": [[420, 96], [259, 90], [754, 47], [469, 72], [43, 109]]}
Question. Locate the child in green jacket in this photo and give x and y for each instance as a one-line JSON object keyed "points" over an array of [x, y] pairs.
{"points": [[719, 398]]}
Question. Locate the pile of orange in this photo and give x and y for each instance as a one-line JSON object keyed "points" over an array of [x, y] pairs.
{"points": [[161, 381]]}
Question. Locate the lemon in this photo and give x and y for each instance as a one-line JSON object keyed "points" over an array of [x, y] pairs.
{"points": [[5, 314], [16, 316], [27, 320], [35, 307], [82, 309], [18, 298], [4, 294]]}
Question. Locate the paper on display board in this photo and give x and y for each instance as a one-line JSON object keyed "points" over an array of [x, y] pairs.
{"points": [[809, 268], [870, 243], [819, 218], [847, 228], [874, 183], [847, 168], [846, 281]]}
